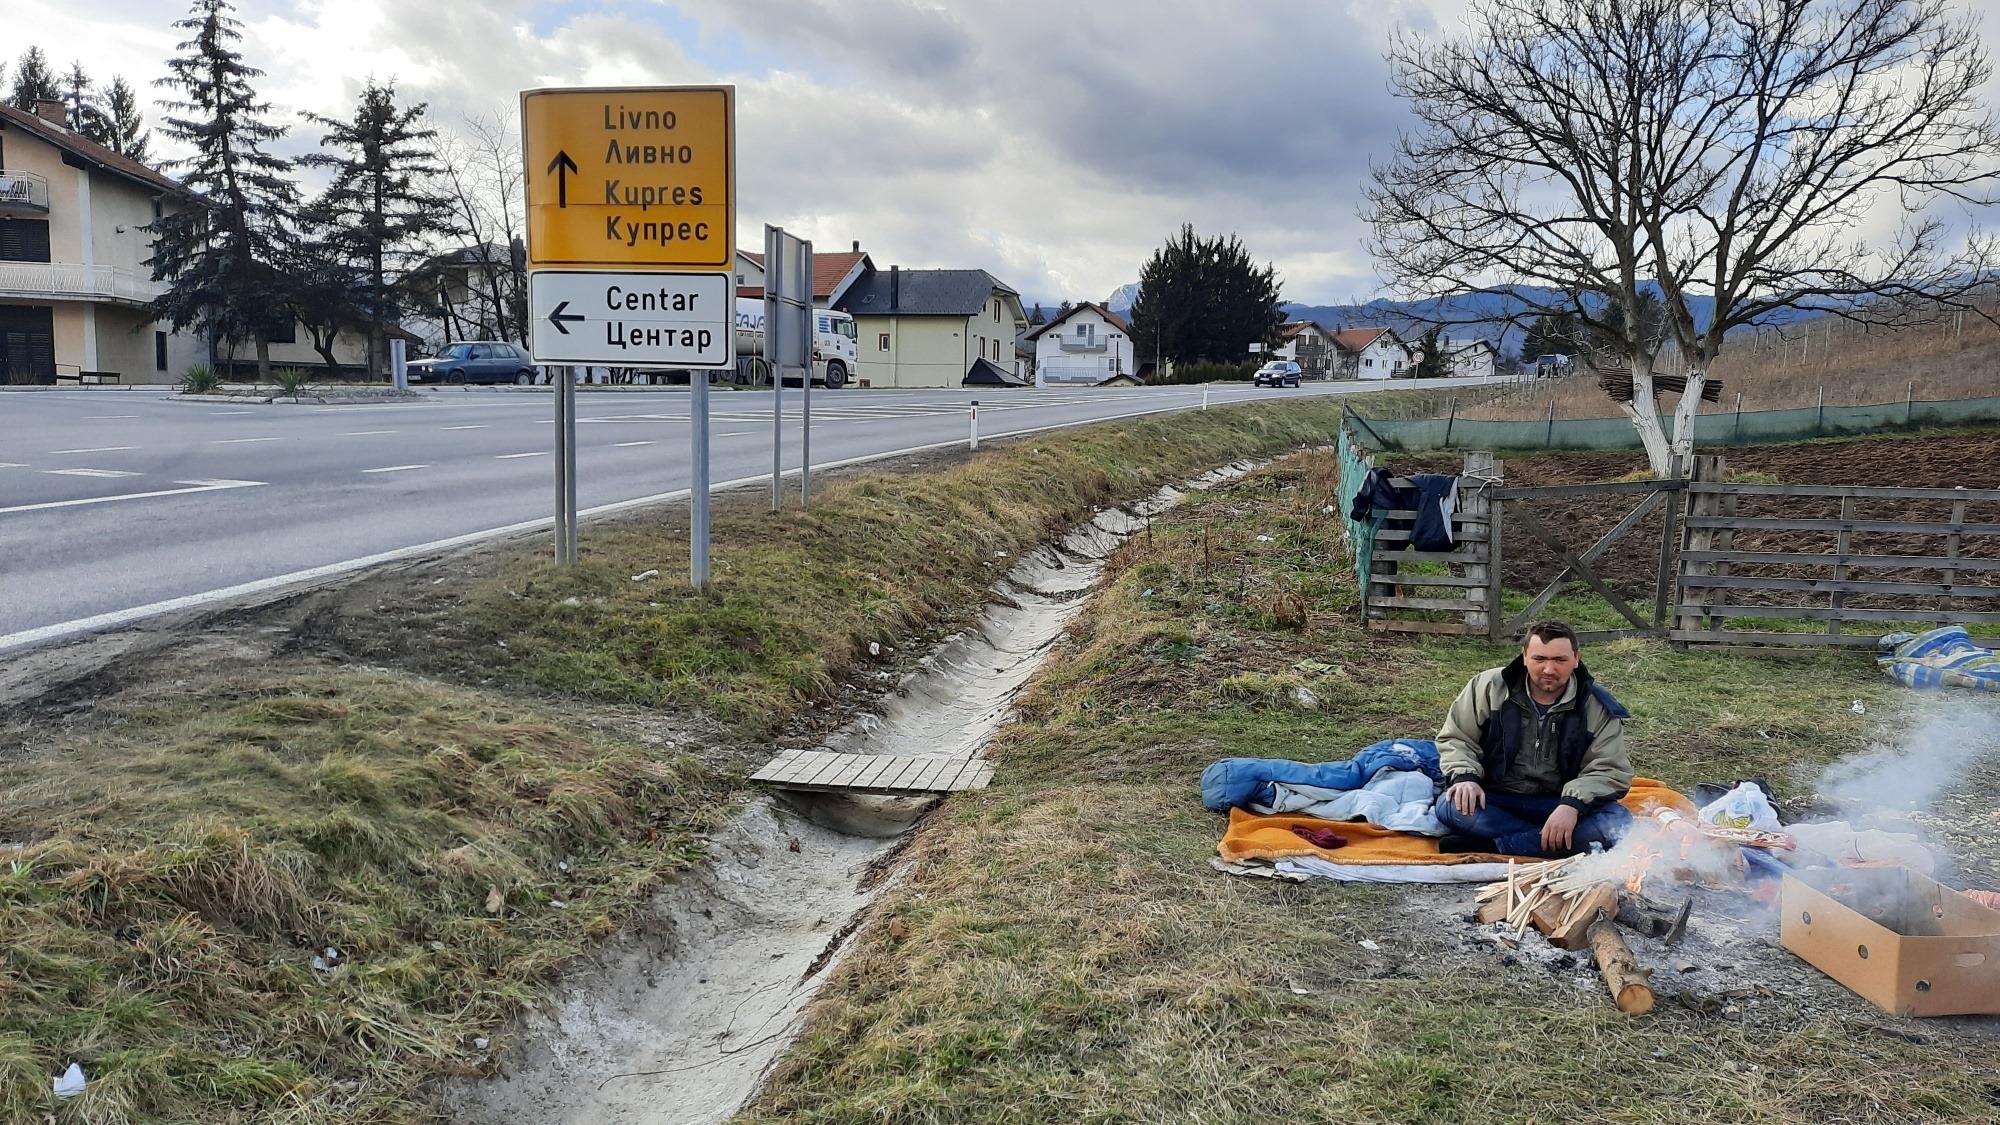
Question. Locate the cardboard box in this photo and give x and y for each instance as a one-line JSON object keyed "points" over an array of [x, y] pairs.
{"points": [[1900, 939]]}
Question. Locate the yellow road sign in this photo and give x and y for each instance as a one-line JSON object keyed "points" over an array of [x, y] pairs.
{"points": [[628, 178]]}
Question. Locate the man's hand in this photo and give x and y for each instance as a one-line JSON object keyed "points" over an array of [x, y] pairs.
{"points": [[1559, 830], [1467, 797]]}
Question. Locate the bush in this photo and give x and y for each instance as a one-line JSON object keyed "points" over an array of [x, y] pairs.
{"points": [[200, 379], [1207, 372], [291, 382]]}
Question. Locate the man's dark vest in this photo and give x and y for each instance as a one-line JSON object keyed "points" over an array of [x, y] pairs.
{"points": [[1500, 742]]}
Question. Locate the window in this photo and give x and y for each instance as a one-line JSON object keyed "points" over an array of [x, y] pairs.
{"points": [[1367, 363], [996, 312], [24, 240], [882, 342], [283, 332], [159, 351], [1399, 366], [1082, 330], [159, 210]]}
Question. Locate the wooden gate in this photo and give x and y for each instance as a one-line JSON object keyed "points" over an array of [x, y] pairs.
{"points": [[1515, 506]]}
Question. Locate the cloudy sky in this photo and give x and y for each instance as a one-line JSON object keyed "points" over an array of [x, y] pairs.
{"points": [[1054, 143]]}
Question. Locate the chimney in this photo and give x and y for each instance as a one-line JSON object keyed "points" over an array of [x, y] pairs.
{"points": [[857, 246], [895, 288], [52, 111]]}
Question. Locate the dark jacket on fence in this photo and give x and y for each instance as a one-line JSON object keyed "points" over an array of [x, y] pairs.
{"points": [[1433, 496]]}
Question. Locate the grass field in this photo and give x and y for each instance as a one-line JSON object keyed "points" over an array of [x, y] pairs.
{"points": [[456, 777], [1062, 951]]}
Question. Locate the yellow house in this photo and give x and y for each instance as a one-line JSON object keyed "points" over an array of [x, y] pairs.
{"points": [[933, 328], [74, 275]]}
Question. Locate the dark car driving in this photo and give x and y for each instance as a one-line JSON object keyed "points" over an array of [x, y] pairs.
{"points": [[476, 361]]}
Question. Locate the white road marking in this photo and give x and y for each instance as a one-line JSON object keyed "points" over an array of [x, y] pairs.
{"points": [[222, 413], [512, 456], [109, 417], [367, 433], [89, 473], [461, 427], [239, 440], [94, 449], [735, 433], [395, 468], [193, 487], [629, 444], [11, 465]]}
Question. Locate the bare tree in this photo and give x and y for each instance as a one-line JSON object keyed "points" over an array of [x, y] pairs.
{"points": [[481, 180], [1728, 153]]}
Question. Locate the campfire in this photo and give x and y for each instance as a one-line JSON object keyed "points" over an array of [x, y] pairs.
{"points": [[1583, 901]]}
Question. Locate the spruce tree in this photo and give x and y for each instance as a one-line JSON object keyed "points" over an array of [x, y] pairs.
{"points": [[129, 135], [79, 95], [33, 81], [377, 214], [1205, 300], [220, 250]]}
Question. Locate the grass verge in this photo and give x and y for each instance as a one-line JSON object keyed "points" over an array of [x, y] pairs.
{"points": [[179, 854], [1061, 951]]}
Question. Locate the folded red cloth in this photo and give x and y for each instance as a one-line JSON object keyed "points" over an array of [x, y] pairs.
{"points": [[1320, 837]]}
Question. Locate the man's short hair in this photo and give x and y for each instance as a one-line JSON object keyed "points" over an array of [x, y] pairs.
{"points": [[1549, 631]]}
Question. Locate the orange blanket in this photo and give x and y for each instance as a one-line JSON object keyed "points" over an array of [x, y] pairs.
{"points": [[1271, 837]]}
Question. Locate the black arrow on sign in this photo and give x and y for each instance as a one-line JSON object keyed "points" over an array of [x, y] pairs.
{"points": [[562, 166], [556, 317]]}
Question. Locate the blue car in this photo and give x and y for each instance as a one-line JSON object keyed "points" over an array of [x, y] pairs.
{"points": [[477, 361]]}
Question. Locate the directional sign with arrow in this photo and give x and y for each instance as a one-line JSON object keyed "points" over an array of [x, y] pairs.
{"points": [[677, 320], [631, 178]]}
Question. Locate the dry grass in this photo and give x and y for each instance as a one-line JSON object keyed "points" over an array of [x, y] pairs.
{"points": [[1946, 360], [1061, 951], [175, 853]]}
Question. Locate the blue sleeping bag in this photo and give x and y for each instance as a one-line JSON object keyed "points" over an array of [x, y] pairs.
{"points": [[1241, 782]]}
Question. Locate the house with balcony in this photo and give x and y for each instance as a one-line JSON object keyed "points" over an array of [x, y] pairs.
{"points": [[932, 328], [74, 283], [1372, 353], [1305, 343], [1083, 347], [75, 273], [1471, 357]]}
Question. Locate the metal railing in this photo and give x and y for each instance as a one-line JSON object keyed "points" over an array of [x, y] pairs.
{"points": [[68, 281], [1090, 343], [23, 189]]}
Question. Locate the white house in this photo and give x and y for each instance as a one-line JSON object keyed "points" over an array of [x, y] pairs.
{"points": [[1085, 346], [1308, 345], [1470, 358], [1372, 353]]}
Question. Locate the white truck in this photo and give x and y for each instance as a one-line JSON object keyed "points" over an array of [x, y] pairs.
{"points": [[833, 340]]}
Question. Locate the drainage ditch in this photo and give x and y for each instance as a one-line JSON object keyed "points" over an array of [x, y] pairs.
{"points": [[678, 1026]]}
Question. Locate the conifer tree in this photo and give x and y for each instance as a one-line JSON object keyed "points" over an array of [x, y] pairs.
{"points": [[129, 135], [220, 250], [33, 81], [79, 95], [1205, 299], [377, 214]]}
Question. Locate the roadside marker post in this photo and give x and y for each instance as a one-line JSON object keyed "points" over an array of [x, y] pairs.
{"points": [[973, 444], [631, 202], [399, 370]]}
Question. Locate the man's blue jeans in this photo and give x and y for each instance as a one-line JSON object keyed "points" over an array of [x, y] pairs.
{"points": [[1513, 821]]}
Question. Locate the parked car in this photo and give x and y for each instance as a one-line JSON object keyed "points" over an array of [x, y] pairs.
{"points": [[1278, 373], [476, 361]]}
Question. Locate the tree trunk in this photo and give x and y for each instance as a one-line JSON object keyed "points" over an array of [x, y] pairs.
{"points": [[1644, 411], [1686, 413], [263, 358], [325, 350]]}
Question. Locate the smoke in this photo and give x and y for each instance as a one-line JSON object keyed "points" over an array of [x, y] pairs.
{"points": [[1955, 737]]}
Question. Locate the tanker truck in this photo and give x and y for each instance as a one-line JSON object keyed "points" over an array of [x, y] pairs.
{"points": [[833, 342]]}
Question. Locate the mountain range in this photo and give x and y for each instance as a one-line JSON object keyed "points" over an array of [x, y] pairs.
{"points": [[1486, 314]]}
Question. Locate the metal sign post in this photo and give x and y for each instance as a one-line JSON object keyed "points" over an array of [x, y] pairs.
{"points": [[399, 370], [631, 201], [788, 345]]}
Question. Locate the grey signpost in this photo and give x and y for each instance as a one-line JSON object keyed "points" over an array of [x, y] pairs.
{"points": [[788, 343]]}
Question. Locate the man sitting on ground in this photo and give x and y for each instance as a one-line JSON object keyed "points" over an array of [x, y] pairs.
{"points": [[1534, 756]]}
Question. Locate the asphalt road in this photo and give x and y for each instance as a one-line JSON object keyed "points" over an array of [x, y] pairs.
{"points": [[117, 505]]}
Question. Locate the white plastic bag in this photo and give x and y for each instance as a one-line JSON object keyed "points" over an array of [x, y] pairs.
{"points": [[1742, 807]]}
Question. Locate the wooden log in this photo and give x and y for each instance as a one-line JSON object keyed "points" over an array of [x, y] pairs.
{"points": [[1629, 984], [1572, 930]]}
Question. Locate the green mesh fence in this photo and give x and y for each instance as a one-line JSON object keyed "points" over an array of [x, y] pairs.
{"points": [[1749, 427], [1354, 466]]}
